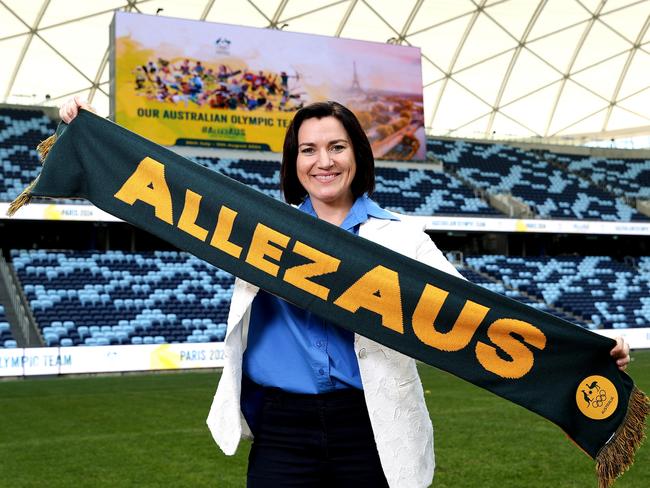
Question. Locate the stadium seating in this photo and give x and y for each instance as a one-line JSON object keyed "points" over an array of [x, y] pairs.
{"points": [[498, 286], [112, 297], [623, 177], [6, 337], [599, 291], [550, 192], [494, 168], [405, 190], [427, 192], [20, 132]]}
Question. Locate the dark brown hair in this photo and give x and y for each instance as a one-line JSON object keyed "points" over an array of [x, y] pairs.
{"points": [[364, 179]]}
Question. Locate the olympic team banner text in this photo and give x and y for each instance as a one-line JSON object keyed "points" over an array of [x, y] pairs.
{"points": [[109, 359], [186, 82]]}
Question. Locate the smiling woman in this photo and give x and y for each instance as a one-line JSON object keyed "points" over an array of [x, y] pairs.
{"points": [[324, 144], [325, 406], [326, 167]]}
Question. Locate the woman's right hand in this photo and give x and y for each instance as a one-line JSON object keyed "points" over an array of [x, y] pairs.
{"points": [[70, 109]]}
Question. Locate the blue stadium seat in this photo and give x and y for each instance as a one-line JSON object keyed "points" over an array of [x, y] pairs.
{"points": [[595, 291], [551, 191], [154, 295], [628, 177]]}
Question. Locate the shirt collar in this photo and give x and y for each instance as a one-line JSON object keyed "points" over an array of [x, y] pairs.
{"points": [[362, 209]]}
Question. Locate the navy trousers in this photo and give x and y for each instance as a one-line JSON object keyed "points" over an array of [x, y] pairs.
{"points": [[314, 441]]}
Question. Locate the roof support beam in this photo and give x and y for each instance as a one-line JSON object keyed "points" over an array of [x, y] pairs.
{"points": [[98, 75], [206, 10], [567, 72], [513, 62], [277, 14], [455, 57], [626, 67], [312, 11], [346, 16], [259, 10], [409, 21], [28, 41]]}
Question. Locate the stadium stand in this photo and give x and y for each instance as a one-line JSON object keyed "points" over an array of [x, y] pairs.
{"points": [[262, 175], [472, 168], [498, 286], [549, 191], [20, 132], [113, 297], [427, 192], [6, 337], [600, 291], [622, 177], [405, 190]]}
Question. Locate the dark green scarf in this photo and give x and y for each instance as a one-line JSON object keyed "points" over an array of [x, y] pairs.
{"points": [[556, 369]]}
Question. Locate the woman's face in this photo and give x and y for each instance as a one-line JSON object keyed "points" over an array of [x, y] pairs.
{"points": [[325, 163]]}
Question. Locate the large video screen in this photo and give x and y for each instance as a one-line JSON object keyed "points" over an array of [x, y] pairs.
{"points": [[186, 82]]}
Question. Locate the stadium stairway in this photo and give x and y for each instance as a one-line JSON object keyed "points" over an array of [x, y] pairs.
{"points": [[627, 178], [627, 191], [19, 322], [479, 277], [603, 292]]}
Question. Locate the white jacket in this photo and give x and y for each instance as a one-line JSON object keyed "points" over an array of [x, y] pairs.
{"points": [[391, 385]]}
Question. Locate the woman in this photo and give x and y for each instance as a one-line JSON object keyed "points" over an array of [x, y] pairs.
{"points": [[325, 407], [333, 408]]}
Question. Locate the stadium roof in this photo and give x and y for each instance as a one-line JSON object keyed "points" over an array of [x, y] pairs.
{"points": [[526, 68]]}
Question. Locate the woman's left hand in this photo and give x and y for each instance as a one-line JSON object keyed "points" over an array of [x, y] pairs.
{"points": [[621, 353]]}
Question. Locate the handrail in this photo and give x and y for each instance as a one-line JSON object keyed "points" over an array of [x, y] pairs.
{"points": [[26, 321]]}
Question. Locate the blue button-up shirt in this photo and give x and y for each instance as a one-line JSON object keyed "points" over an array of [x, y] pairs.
{"points": [[292, 349]]}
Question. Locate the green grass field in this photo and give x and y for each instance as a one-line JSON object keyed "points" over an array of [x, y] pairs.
{"points": [[149, 430]]}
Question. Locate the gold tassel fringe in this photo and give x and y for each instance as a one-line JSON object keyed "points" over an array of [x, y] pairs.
{"points": [[618, 455], [44, 147], [25, 197]]}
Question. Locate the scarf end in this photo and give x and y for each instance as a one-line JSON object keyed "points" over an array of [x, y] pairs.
{"points": [[44, 147], [618, 455], [25, 197]]}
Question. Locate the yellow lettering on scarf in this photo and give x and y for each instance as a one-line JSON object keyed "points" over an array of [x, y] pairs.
{"points": [[222, 232], [426, 312], [147, 184], [187, 222], [262, 246], [321, 264], [378, 291], [500, 333]]}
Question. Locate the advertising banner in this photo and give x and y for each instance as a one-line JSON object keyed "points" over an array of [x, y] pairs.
{"points": [[90, 213], [186, 82], [109, 359], [112, 359]]}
